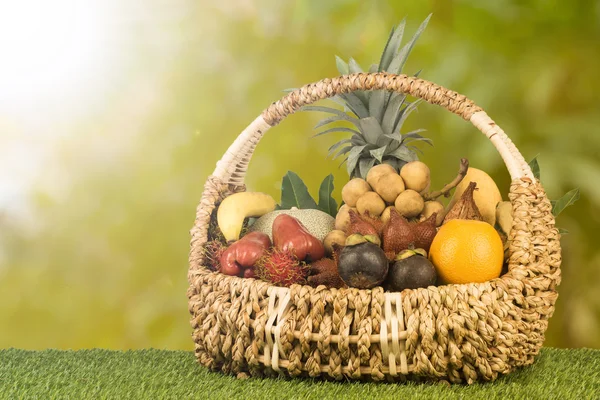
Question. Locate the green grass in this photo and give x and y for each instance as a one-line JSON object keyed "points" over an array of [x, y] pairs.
{"points": [[161, 374]]}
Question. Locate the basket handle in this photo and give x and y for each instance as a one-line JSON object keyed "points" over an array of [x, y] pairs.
{"points": [[232, 167], [231, 170]]}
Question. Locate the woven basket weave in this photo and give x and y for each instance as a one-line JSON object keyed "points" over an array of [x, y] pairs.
{"points": [[459, 333]]}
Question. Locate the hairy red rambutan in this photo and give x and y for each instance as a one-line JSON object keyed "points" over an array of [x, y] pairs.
{"points": [[281, 268], [212, 252], [325, 272]]}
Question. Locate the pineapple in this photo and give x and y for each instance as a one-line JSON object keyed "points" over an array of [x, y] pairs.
{"points": [[376, 116]]}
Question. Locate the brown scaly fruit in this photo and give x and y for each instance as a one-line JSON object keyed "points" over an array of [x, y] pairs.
{"points": [[375, 222], [465, 207], [325, 272], [212, 252], [361, 226], [397, 235], [400, 235], [424, 232], [281, 268]]}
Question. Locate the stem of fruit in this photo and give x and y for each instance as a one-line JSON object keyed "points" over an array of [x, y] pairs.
{"points": [[462, 171]]}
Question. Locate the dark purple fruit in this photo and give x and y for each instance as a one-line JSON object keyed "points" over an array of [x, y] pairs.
{"points": [[362, 264], [411, 270]]}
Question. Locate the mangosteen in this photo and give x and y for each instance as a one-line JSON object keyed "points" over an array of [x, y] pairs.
{"points": [[362, 263], [411, 270]]}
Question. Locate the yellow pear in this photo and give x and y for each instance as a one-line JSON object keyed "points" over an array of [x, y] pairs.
{"points": [[487, 195]]}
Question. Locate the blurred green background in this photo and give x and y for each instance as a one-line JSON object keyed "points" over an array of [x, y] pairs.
{"points": [[113, 113]]}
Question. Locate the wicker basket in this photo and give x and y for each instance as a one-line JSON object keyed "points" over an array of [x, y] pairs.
{"points": [[459, 333]]}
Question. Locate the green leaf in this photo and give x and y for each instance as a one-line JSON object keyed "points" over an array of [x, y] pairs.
{"points": [[341, 65], [396, 142], [353, 66], [337, 129], [376, 105], [414, 136], [535, 167], [394, 162], [340, 151], [392, 46], [294, 193], [353, 158], [405, 154], [565, 201], [329, 110], [364, 165], [391, 113], [400, 59], [562, 231], [337, 118], [288, 90], [415, 149], [383, 140], [373, 68], [343, 161], [378, 153], [326, 201], [405, 113], [343, 151], [355, 104], [358, 139], [397, 136], [371, 129], [337, 145], [339, 101]]}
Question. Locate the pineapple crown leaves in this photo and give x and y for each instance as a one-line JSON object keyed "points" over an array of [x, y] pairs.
{"points": [[376, 117]]}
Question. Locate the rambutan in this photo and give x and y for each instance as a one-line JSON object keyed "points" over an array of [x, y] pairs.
{"points": [[212, 252], [281, 268], [214, 232], [325, 272]]}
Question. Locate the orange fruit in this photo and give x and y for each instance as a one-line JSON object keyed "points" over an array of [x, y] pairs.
{"points": [[465, 251]]}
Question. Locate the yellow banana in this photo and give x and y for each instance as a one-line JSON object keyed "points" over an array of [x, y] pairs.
{"points": [[235, 208]]}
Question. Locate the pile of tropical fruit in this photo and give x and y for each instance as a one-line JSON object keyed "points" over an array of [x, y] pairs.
{"points": [[391, 231]]}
